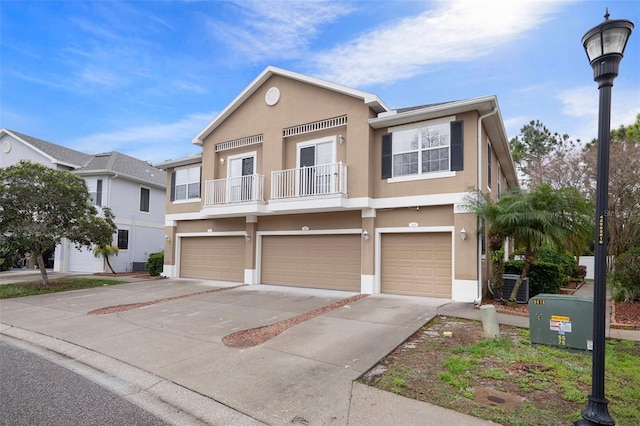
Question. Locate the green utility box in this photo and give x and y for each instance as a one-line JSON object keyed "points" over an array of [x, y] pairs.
{"points": [[561, 320]]}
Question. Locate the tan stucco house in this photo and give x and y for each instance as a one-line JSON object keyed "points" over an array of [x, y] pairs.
{"points": [[303, 182]]}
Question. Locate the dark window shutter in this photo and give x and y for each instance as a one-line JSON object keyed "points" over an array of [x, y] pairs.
{"points": [[457, 145], [387, 156], [98, 200], [173, 186], [200, 183]]}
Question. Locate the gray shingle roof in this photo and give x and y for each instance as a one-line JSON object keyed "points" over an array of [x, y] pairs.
{"points": [[413, 108], [60, 153], [125, 166], [106, 163]]}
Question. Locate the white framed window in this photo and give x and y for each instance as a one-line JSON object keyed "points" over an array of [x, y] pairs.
{"points": [[145, 194], [315, 160], [241, 169], [95, 190], [489, 155], [185, 184], [423, 150]]}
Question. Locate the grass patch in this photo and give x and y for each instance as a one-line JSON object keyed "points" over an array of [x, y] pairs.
{"points": [[31, 288], [554, 382]]}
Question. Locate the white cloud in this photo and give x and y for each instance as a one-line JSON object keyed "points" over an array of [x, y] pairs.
{"points": [[153, 142], [276, 29], [458, 30], [581, 105]]}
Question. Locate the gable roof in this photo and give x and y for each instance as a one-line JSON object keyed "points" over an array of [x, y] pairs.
{"points": [[371, 100], [121, 165], [111, 163], [55, 153]]}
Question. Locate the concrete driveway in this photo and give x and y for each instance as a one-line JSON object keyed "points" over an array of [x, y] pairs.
{"points": [[303, 376]]}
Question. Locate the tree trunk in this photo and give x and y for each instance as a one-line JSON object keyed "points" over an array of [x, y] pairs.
{"points": [[528, 260], [109, 264], [43, 271]]}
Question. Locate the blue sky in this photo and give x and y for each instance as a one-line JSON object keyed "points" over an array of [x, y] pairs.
{"points": [[144, 77]]}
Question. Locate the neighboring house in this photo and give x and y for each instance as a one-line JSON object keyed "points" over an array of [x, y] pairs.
{"points": [[303, 182], [133, 190]]}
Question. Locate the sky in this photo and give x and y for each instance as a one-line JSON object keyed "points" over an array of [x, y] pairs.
{"points": [[145, 77]]}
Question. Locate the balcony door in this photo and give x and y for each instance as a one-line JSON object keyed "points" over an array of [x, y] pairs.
{"points": [[240, 173], [315, 162]]}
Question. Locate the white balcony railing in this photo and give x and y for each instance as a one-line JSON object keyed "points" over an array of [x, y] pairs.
{"points": [[324, 179], [234, 190]]}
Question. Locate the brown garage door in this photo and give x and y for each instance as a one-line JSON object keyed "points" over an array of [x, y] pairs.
{"points": [[213, 258], [417, 264], [318, 261]]}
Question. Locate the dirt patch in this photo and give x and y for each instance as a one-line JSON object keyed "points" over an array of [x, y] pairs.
{"points": [[508, 381], [130, 306], [625, 315], [257, 336]]}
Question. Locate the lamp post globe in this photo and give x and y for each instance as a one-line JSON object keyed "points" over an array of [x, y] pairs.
{"points": [[604, 45]]}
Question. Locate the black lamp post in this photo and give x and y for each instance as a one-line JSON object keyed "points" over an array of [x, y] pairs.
{"points": [[604, 45]]}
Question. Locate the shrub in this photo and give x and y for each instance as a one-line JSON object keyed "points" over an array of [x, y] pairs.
{"points": [[625, 284], [563, 258], [155, 263], [544, 277]]}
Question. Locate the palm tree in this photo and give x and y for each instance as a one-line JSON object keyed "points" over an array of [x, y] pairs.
{"points": [[105, 251], [487, 210], [559, 218]]}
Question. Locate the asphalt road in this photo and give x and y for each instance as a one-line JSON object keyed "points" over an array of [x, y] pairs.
{"points": [[35, 391]]}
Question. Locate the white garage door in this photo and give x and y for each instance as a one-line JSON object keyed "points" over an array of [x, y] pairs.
{"points": [[417, 264], [213, 258], [82, 260], [318, 261]]}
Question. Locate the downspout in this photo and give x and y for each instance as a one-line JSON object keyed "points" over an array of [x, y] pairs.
{"points": [[482, 117]]}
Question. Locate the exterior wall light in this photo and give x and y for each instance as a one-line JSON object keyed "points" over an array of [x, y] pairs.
{"points": [[365, 235], [247, 237], [463, 234], [167, 238]]}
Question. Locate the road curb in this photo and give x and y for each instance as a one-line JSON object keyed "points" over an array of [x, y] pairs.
{"points": [[163, 398]]}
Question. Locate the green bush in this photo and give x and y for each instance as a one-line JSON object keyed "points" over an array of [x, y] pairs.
{"points": [[544, 277], [563, 258], [155, 263], [625, 286]]}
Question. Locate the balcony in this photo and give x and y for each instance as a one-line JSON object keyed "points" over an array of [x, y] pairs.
{"points": [[233, 196], [309, 188]]}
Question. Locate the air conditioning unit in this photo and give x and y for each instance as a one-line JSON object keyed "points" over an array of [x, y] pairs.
{"points": [[508, 285]]}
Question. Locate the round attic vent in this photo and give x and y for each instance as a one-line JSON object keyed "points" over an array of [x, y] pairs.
{"points": [[272, 97], [6, 147]]}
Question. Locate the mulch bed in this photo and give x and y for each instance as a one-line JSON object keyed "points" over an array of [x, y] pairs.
{"points": [[624, 315], [130, 306], [257, 336]]}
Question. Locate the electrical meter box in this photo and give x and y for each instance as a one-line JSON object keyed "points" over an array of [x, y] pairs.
{"points": [[561, 320]]}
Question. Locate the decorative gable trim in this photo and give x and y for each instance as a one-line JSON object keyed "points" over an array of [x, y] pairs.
{"points": [[237, 143], [369, 99], [328, 123]]}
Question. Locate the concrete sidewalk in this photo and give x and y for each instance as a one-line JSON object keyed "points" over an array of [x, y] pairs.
{"points": [[169, 357]]}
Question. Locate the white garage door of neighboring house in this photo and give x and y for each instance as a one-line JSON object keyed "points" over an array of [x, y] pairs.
{"points": [[417, 264], [213, 258], [317, 261], [81, 260]]}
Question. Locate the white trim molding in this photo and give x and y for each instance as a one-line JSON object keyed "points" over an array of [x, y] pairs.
{"points": [[367, 284], [251, 276]]}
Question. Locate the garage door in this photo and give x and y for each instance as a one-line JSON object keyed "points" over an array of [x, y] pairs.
{"points": [[318, 261], [213, 258], [82, 260], [417, 264]]}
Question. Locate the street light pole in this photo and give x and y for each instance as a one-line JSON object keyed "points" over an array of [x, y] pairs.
{"points": [[604, 45]]}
